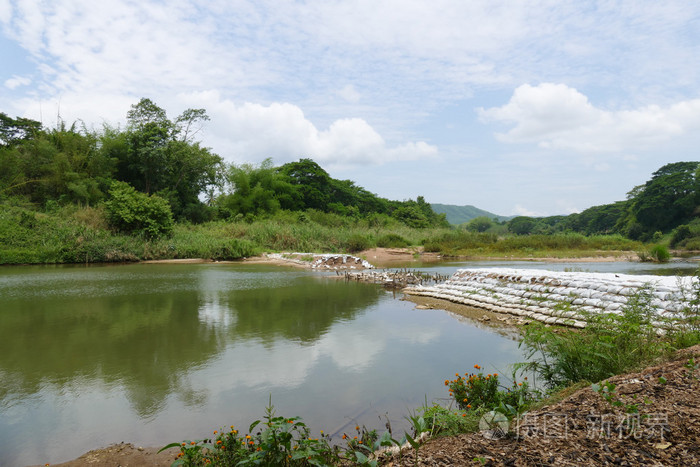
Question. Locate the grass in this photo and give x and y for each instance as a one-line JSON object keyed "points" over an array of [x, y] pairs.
{"points": [[74, 234]]}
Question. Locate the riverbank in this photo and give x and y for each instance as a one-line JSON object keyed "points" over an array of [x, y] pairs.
{"points": [[585, 429]]}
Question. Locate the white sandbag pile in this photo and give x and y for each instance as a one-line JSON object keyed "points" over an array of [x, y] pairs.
{"points": [[556, 297], [333, 261]]}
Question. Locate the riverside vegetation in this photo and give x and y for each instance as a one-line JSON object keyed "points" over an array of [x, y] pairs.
{"points": [[151, 191], [562, 358]]}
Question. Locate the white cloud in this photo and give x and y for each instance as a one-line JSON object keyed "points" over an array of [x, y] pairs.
{"points": [[350, 94], [5, 11], [520, 210], [251, 131], [556, 116], [17, 81]]}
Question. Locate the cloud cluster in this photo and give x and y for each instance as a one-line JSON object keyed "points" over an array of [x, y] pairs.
{"points": [[556, 116], [252, 132]]}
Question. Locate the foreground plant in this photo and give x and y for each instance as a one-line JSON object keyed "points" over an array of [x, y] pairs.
{"points": [[279, 441], [478, 391]]}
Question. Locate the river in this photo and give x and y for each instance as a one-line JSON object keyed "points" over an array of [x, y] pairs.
{"points": [[156, 353]]}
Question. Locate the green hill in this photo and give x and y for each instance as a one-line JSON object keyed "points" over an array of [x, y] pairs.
{"points": [[461, 214]]}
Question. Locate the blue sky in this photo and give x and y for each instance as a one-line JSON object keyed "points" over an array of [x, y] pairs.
{"points": [[533, 107]]}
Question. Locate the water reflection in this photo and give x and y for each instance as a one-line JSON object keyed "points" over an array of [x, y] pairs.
{"points": [[146, 335], [143, 333]]}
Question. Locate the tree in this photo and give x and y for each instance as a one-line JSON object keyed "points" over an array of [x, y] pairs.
{"points": [[63, 164], [15, 130], [668, 199], [521, 225], [479, 224], [312, 182], [257, 190], [157, 155]]}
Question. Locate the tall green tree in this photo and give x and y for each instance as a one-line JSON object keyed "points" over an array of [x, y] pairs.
{"points": [[159, 155], [255, 190], [668, 199], [14, 130], [62, 164], [312, 182], [522, 225]]}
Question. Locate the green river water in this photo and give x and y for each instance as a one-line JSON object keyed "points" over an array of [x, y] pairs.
{"points": [[156, 353]]}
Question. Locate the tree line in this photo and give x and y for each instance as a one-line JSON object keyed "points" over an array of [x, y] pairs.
{"points": [[668, 203], [154, 171]]}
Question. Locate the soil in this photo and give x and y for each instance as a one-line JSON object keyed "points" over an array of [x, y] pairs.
{"points": [[387, 257], [391, 257], [585, 429], [123, 455]]}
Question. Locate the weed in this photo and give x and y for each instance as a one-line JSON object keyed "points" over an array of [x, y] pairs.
{"points": [[610, 344]]}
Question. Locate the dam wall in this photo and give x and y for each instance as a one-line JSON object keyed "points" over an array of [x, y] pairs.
{"points": [[564, 298]]}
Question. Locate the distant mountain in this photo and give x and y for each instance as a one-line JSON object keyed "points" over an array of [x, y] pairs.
{"points": [[461, 214]]}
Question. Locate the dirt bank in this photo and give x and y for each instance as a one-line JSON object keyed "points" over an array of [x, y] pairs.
{"points": [[584, 429], [123, 455]]}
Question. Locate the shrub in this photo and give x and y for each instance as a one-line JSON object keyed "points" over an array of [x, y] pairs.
{"points": [[134, 212], [392, 241], [357, 242], [657, 254]]}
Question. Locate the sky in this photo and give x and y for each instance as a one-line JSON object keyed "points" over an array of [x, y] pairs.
{"points": [[516, 107]]}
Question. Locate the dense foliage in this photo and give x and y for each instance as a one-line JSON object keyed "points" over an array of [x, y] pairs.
{"points": [[132, 211], [146, 178], [156, 155]]}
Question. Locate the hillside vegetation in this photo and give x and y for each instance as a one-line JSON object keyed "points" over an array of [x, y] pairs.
{"points": [[151, 190]]}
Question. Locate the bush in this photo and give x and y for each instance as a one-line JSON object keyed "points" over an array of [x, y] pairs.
{"points": [[134, 212], [657, 254], [392, 241], [357, 242]]}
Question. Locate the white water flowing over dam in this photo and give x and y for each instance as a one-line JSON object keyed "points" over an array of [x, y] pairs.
{"points": [[563, 298]]}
